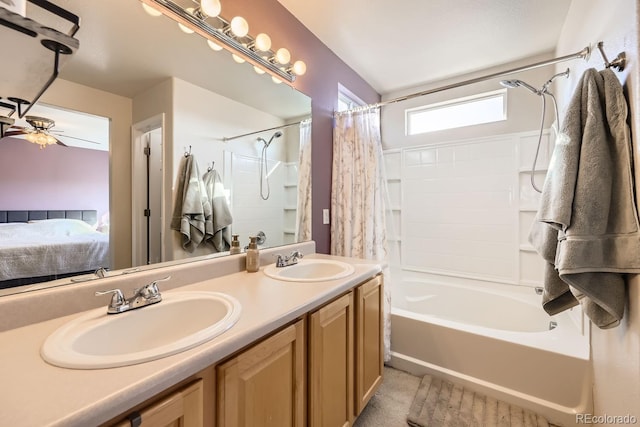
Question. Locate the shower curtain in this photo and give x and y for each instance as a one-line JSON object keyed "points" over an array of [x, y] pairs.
{"points": [[358, 196], [303, 220]]}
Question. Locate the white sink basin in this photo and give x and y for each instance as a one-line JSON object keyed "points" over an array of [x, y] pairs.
{"points": [[310, 270], [182, 320]]}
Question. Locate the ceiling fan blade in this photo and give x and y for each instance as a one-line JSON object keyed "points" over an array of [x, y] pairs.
{"points": [[81, 139], [60, 142], [15, 132]]}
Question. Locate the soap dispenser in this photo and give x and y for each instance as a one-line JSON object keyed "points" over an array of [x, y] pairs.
{"points": [[253, 255], [235, 245]]}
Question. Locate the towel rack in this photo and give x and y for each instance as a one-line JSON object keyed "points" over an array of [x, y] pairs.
{"points": [[618, 62]]}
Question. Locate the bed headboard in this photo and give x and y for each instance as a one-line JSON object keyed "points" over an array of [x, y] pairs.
{"points": [[88, 216]]}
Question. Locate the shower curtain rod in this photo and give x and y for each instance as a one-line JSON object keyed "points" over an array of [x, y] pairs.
{"points": [[584, 54], [225, 139]]}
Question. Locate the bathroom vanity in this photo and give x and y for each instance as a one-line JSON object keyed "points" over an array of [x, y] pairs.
{"points": [[301, 353]]}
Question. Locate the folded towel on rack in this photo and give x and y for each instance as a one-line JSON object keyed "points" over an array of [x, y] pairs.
{"points": [[587, 227], [191, 206], [220, 218]]}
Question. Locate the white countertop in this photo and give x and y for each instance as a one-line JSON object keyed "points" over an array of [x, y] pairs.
{"points": [[34, 393]]}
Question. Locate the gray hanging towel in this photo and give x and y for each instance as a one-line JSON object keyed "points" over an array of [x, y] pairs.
{"points": [[191, 205], [221, 217], [587, 227]]}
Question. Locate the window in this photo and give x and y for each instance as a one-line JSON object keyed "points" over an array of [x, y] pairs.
{"points": [[472, 110], [347, 100]]}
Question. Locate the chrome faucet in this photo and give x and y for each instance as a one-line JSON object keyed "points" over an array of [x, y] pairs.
{"points": [[285, 261], [146, 295], [101, 273]]}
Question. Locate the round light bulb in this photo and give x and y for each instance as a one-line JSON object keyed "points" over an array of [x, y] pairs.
{"points": [[183, 27], [239, 26], [151, 11], [263, 42], [283, 56], [276, 80], [210, 7], [258, 70], [215, 46], [299, 68], [237, 58]]}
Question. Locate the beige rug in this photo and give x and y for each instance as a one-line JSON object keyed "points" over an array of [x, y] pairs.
{"points": [[440, 403]]}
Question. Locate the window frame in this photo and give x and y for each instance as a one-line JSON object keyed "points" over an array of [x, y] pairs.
{"points": [[499, 93]]}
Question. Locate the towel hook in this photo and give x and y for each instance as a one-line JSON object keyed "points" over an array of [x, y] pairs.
{"points": [[187, 153], [210, 168], [618, 62]]}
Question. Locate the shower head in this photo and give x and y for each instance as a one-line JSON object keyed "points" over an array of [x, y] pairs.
{"points": [[277, 134], [510, 84], [515, 83]]}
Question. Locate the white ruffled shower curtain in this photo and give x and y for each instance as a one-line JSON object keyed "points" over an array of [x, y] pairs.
{"points": [[303, 220], [359, 196]]}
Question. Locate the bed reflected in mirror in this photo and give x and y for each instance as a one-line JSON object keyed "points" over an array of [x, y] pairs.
{"points": [[54, 221]]}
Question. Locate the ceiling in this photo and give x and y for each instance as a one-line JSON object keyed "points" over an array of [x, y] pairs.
{"points": [[405, 43]]}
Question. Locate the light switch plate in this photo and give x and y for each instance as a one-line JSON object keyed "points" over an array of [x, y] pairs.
{"points": [[325, 216]]}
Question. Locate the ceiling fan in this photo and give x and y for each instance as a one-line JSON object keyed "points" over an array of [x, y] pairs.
{"points": [[40, 131]]}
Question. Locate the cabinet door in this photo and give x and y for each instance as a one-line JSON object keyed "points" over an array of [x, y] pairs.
{"points": [[331, 364], [182, 408], [369, 346], [265, 385]]}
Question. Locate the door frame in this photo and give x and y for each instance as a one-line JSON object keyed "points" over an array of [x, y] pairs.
{"points": [[139, 187]]}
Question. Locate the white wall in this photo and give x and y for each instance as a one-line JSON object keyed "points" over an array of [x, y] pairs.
{"points": [[615, 352]]}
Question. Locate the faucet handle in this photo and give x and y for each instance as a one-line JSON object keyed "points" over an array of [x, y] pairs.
{"points": [[151, 290], [296, 254], [117, 300]]}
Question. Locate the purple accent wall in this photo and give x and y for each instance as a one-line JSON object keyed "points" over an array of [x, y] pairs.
{"points": [[324, 71], [53, 178]]}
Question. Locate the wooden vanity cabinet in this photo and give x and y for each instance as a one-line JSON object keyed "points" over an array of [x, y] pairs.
{"points": [[369, 349], [181, 408], [345, 355], [265, 384], [331, 342]]}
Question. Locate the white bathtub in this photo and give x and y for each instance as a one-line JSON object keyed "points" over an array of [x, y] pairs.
{"points": [[494, 339]]}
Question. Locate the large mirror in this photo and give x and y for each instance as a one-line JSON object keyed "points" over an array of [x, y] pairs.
{"points": [[158, 87]]}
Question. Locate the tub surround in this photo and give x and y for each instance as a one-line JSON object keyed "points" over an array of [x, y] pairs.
{"points": [[36, 393]]}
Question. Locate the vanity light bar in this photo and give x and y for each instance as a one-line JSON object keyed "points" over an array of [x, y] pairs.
{"points": [[206, 30]]}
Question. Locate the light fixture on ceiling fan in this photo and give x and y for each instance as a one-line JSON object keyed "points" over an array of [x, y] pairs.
{"points": [[39, 131]]}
